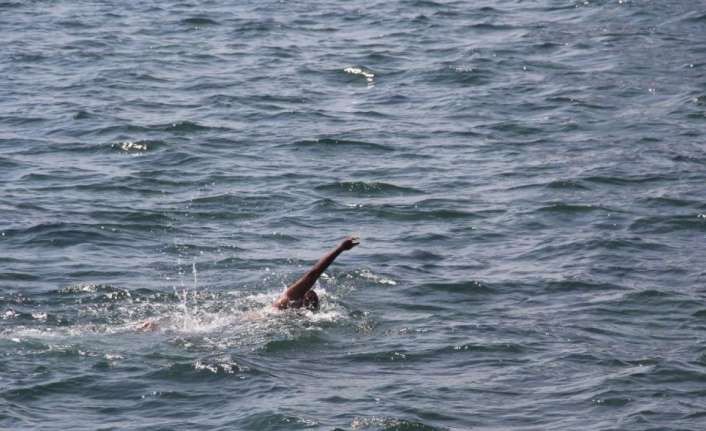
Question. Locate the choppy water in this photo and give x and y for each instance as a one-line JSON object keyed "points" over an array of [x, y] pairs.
{"points": [[527, 178]]}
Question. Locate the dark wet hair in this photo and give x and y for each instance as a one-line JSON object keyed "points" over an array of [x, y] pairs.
{"points": [[311, 300]]}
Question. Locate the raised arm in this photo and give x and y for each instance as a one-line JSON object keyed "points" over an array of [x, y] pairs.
{"points": [[294, 294]]}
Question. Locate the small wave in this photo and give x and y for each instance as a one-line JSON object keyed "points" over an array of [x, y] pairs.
{"points": [[230, 206], [625, 181], [489, 26], [270, 420], [117, 130], [555, 184], [82, 115], [260, 25], [134, 217], [27, 57], [515, 129], [670, 373], [135, 147], [690, 158], [75, 24], [658, 300], [511, 348], [81, 288], [425, 238], [387, 423], [564, 208], [573, 100], [667, 224], [610, 399], [147, 77], [379, 279], [340, 145], [201, 369], [382, 356], [361, 71], [6, 163], [458, 74], [182, 127], [425, 255], [18, 276], [230, 199], [73, 147], [566, 185], [71, 385], [648, 295], [571, 247], [220, 366], [696, 17], [169, 395], [465, 287], [61, 234], [204, 85], [199, 22], [580, 286], [424, 3], [701, 314], [179, 127], [131, 186], [420, 211], [360, 188], [21, 121], [670, 201], [30, 317]]}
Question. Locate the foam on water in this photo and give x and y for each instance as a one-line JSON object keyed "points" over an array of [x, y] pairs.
{"points": [[231, 318], [368, 75]]}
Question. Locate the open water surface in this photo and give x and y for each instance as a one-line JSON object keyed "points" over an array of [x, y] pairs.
{"points": [[528, 179]]}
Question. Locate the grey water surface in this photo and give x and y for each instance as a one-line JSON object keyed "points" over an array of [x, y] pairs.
{"points": [[528, 179]]}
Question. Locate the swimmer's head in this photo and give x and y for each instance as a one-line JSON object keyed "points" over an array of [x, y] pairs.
{"points": [[311, 301]]}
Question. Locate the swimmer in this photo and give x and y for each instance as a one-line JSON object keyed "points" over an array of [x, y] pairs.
{"points": [[299, 293], [147, 326]]}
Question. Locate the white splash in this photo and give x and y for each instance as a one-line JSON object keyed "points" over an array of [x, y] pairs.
{"points": [[195, 319], [368, 275], [132, 147], [369, 76]]}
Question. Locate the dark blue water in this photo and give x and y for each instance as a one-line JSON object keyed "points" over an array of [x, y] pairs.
{"points": [[528, 179]]}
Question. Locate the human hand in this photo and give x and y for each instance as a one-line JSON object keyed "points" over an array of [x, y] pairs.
{"points": [[350, 242]]}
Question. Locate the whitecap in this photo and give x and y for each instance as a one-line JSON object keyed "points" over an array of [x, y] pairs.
{"points": [[368, 275], [368, 75], [131, 146]]}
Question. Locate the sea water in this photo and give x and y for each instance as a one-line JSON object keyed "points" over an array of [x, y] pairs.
{"points": [[527, 178]]}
